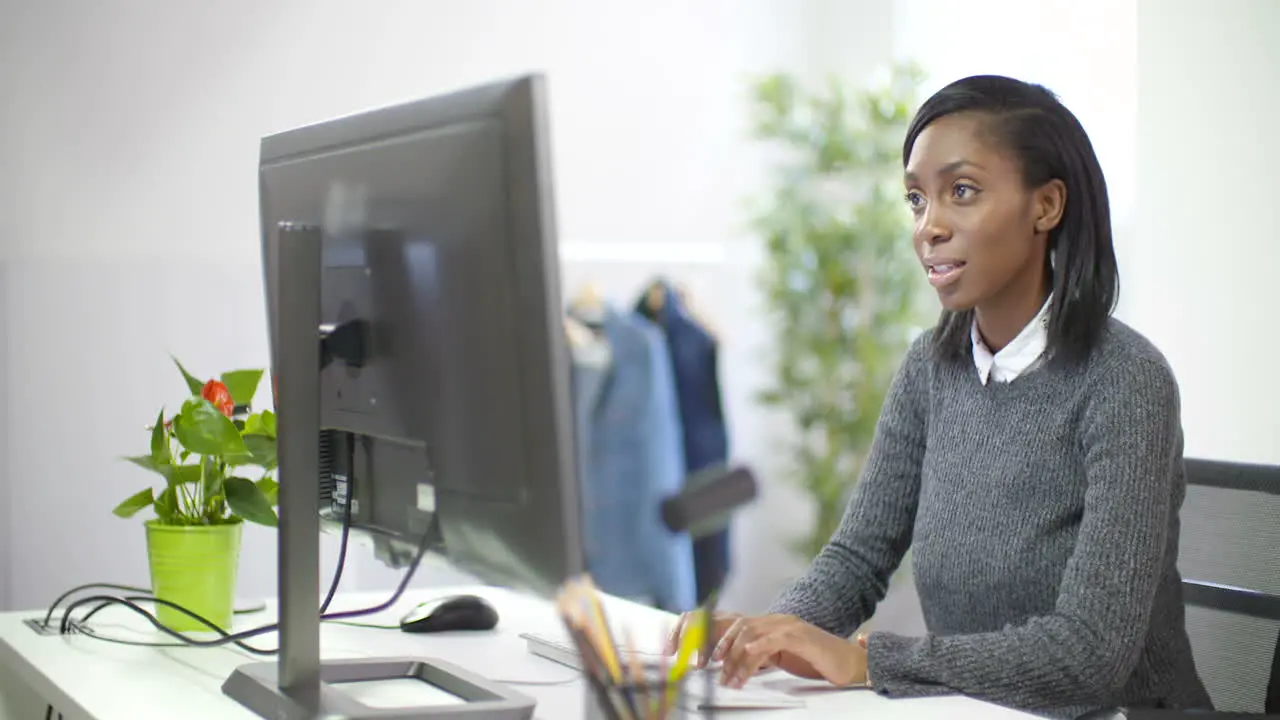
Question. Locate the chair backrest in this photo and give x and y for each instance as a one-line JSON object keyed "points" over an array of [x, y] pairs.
{"points": [[1229, 558]]}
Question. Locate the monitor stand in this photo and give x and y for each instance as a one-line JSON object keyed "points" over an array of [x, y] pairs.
{"points": [[257, 687], [299, 686]]}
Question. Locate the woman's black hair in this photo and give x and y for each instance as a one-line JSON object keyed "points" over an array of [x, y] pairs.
{"points": [[1049, 143]]}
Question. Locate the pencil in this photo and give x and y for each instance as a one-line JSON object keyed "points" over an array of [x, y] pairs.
{"points": [[576, 614], [596, 608], [643, 691]]}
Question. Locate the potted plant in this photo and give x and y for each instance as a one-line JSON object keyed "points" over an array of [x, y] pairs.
{"points": [[216, 458], [840, 278]]}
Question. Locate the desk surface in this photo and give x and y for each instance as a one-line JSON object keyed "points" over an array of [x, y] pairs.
{"points": [[88, 679]]}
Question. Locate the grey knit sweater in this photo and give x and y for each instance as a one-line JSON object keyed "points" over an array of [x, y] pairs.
{"points": [[1043, 517]]}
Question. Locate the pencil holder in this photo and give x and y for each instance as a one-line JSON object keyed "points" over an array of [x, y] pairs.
{"points": [[654, 698]]}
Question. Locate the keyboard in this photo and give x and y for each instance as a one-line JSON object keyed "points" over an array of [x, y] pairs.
{"points": [[562, 650]]}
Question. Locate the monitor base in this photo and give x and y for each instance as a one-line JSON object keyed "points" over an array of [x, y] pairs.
{"points": [[256, 687]]}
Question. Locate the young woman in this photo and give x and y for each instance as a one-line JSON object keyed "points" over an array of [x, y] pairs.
{"points": [[1029, 450]]}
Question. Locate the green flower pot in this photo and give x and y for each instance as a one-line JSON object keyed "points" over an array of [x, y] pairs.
{"points": [[195, 567]]}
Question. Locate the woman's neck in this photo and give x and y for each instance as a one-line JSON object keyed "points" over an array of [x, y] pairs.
{"points": [[1002, 318]]}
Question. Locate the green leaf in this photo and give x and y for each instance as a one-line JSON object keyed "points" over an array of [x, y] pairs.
{"points": [[238, 459], [243, 384], [841, 283], [256, 424], [271, 489], [146, 462], [196, 386], [213, 481], [182, 474], [166, 505], [159, 440], [262, 424], [249, 502], [130, 507], [262, 451], [203, 430]]}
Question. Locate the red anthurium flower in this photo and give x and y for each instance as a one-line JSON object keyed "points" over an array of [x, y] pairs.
{"points": [[216, 392]]}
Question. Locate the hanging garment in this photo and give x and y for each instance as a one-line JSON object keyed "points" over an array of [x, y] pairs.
{"points": [[631, 459], [694, 361]]}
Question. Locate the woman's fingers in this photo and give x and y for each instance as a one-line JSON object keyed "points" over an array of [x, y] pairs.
{"points": [[735, 654], [748, 657], [676, 635], [756, 645], [730, 637]]}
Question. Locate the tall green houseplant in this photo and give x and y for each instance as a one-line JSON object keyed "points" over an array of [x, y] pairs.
{"points": [[207, 455], [840, 280]]}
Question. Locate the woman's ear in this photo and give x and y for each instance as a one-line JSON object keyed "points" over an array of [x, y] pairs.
{"points": [[1050, 202]]}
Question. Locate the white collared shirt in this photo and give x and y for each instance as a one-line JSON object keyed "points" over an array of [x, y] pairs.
{"points": [[1020, 355]]}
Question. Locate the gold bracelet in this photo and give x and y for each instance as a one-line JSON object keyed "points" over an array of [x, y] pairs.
{"points": [[861, 639]]}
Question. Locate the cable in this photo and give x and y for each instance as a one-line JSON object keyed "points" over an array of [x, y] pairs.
{"points": [[423, 546], [89, 632], [239, 637], [106, 586], [131, 603], [371, 626], [544, 683], [346, 522], [339, 618], [108, 600]]}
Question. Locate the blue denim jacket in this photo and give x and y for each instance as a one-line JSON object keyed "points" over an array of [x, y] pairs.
{"points": [[631, 458], [706, 440]]}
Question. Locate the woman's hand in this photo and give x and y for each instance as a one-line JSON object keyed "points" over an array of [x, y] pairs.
{"points": [[793, 645], [723, 621]]}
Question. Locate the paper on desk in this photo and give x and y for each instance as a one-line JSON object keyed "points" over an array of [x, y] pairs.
{"points": [[755, 696]]}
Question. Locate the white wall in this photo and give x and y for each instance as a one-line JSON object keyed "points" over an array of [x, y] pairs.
{"points": [[1207, 223], [1176, 96], [129, 230], [8, 541], [130, 150], [1083, 50]]}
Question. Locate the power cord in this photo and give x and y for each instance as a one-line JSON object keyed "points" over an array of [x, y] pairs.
{"points": [[239, 637], [346, 528], [48, 617], [143, 594], [104, 601], [68, 626], [130, 602]]}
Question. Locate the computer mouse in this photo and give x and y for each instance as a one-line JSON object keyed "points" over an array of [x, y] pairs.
{"points": [[462, 612]]}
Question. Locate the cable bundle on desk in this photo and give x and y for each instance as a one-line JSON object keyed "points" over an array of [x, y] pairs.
{"points": [[623, 687], [141, 595], [68, 625]]}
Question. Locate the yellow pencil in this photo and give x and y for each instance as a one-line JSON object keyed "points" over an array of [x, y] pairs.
{"points": [[643, 693], [596, 609], [692, 640]]}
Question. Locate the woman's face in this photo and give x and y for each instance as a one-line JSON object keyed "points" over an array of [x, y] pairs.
{"points": [[980, 234]]}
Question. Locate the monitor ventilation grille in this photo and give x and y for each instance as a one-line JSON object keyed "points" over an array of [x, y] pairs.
{"points": [[326, 466]]}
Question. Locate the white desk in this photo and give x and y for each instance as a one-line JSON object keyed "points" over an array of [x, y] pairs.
{"points": [[87, 679]]}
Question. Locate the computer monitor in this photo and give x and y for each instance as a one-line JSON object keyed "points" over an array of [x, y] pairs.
{"points": [[417, 341]]}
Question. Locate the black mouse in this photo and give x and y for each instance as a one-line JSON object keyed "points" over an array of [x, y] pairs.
{"points": [[461, 612]]}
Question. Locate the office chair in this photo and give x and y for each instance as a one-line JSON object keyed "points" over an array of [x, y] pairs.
{"points": [[1229, 558]]}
